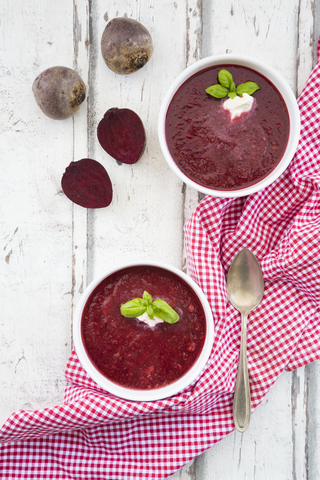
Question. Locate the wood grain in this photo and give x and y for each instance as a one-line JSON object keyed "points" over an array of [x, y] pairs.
{"points": [[51, 249]]}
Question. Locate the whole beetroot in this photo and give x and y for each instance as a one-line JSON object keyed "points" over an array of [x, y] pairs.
{"points": [[126, 45], [59, 92]]}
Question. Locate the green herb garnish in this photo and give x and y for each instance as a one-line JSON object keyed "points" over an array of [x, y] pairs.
{"points": [[159, 308], [227, 87]]}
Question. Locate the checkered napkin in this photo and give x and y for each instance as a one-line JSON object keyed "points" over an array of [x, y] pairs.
{"points": [[95, 435]]}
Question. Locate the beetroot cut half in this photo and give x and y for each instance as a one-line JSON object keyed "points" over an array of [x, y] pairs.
{"points": [[121, 134], [87, 183]]}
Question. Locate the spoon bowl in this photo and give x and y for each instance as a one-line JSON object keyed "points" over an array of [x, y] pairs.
{"points": [[245, 290], [245, 282]]}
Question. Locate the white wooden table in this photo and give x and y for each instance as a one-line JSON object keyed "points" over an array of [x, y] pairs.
{"points": [[51, 248]]}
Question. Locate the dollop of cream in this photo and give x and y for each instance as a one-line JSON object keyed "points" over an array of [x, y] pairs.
{"points": [[152, 322], [238, 105]]}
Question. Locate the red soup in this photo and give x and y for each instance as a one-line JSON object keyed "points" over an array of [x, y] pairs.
{"points": [[215, 151], [129, 352]]}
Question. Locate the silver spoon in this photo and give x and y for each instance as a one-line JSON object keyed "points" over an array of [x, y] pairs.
{"points": [[245, 289]]}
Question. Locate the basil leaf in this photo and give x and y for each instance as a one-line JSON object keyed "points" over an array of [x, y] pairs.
{"points": [[217, 91], [164, 311], [150, 311], [232, 94], [247, 87], [147, 297], [225, 78], [232, 87], [134, 308]]}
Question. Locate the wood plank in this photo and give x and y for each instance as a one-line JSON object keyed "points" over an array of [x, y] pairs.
{"points": [[35, 222], [306, 42], [81, 36], [299, 396], [144, 220], [313, 420], [193, 53]]}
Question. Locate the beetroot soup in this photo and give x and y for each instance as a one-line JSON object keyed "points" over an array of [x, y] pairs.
{"points": [[216, 151], [131, 353]]}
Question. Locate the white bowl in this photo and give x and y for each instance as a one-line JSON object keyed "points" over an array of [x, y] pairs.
{"points": [[275, 79], [143, 395]]}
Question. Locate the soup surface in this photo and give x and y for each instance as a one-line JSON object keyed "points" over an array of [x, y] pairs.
{"points": [[215, 151], [127, 351]]}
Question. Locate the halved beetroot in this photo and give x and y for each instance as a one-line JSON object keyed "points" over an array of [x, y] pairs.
{"points": [[121, 134], [87, 183]]}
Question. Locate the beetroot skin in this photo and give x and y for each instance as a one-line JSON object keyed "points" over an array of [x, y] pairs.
{"points": [[121, 134], [87, 183], [126, 45], [59, 92]]}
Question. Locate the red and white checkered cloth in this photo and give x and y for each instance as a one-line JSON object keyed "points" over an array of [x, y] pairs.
{"points": [[94, 435]]}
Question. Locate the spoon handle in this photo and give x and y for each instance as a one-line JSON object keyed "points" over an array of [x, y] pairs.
{"points": [[242, 401]]}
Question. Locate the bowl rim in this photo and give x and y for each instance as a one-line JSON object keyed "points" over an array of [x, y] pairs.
{"points": [[133, 394], [284, 89]]}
